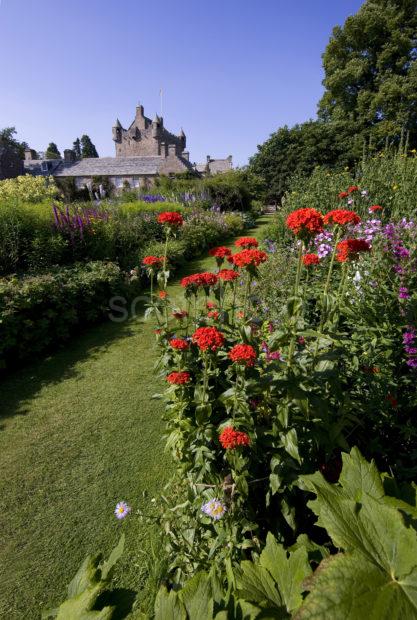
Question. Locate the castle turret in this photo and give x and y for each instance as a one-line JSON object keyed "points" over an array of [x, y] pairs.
{"points": [[117, 131], [156, 127], [183, 139]]}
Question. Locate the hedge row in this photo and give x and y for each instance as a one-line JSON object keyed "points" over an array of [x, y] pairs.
{"points": [[38, 312]]}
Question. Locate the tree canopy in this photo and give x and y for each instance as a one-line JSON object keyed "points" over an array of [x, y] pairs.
{"points": [[87, 147], [52, 151], [370, 97], [7, 139]]}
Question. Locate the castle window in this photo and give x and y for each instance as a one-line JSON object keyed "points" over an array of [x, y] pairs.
{"points": [[119, 182], [44, 166], [136, 183]]}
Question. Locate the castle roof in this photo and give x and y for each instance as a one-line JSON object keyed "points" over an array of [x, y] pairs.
{"points": [[114, 166], [118, 124]]}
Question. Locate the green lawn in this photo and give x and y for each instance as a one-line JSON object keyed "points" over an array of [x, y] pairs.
{"points": [[79, 432]]}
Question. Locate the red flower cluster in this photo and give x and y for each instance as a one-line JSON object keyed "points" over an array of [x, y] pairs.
{"points": [[208, 338], [179, 343], [228, 275], [349, 249], [172, 218], [375, 208], [310, 259], [153, 261], [248, 258], [392, 400], [180, 314], [246, 242], [213, 314], [231, 439], [343, 194], [243, 354], [341, 217], [220, 252], [179, 378], [199, 279], [305, 222], [210, 305], [353, 188], [162, 294]]}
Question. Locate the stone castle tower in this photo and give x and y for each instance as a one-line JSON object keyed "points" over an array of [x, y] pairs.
{"points": [[148, 138]]}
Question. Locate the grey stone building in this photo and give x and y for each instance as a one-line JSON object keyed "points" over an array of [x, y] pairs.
{"points": [[143, 151], [10, 163]]}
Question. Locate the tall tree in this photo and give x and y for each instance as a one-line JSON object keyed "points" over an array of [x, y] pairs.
{"points": [[7, 139], [371, 71], [52, 151], [87, 147], [76, 146]]}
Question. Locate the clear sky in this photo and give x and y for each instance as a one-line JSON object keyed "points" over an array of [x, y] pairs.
{"points": [[232, 71]]}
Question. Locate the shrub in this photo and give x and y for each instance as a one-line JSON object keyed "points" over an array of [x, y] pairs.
{"points": [[27, 188], [36, 312]]}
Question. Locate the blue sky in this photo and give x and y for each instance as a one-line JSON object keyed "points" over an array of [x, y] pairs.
{"points": [[232, 71]]}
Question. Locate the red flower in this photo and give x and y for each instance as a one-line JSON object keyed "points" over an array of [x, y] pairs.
{"points": [[180, 314], [248, 258], [349, 249], [353, 188], [246, 242], [243, 354], [375, 208], [310, 259], [220, 252], [341, 217], [210, 305], [305, 222], [213, 314], [199, 280], [153, 261], [178, 378], [392, 400], [227, 275], [162, 294], [343, 194], [179, 343], [231, 439], [208, 338], [172, 218]]}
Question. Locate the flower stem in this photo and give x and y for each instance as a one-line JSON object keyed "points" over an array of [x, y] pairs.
{"points": [[295, 316]]}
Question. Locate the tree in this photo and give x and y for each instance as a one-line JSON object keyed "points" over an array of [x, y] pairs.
{"points": [[7, 139], [371, 71], [52, 151], [87, 147], [76, 146]]}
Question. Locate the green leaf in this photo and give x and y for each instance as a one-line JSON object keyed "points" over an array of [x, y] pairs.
{"points": [[288, 572], [347, 587], [290, 443], [116, 554], [359, 476], [168, 605], [197, 597], [256, 584]]}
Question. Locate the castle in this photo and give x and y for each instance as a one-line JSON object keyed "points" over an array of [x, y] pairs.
{"points": [[143, 151]]}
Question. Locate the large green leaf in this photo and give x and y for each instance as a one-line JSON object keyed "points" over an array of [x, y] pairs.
{"points": [[288, 572], [359, 476], [197, 597], [347, 587], [256, 585], [168, 606], [114, 557]]}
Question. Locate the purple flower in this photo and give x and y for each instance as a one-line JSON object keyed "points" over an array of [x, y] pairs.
{"points": [[323, 250], [409, 336], [403, 293], [410, 350], [122, 510], [214, 508], [412, 363]]}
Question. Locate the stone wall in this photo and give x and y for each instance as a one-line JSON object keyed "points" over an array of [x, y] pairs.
{"points": [[10, 163]]}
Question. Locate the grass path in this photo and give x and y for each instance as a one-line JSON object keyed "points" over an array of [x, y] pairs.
{"points": [[78, 432]]}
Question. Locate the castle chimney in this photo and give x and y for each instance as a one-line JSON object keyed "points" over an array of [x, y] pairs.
{"points": [[163, 149], [186, 155], [69, 156], [30, 154], [208, 159], [172, 150]]}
